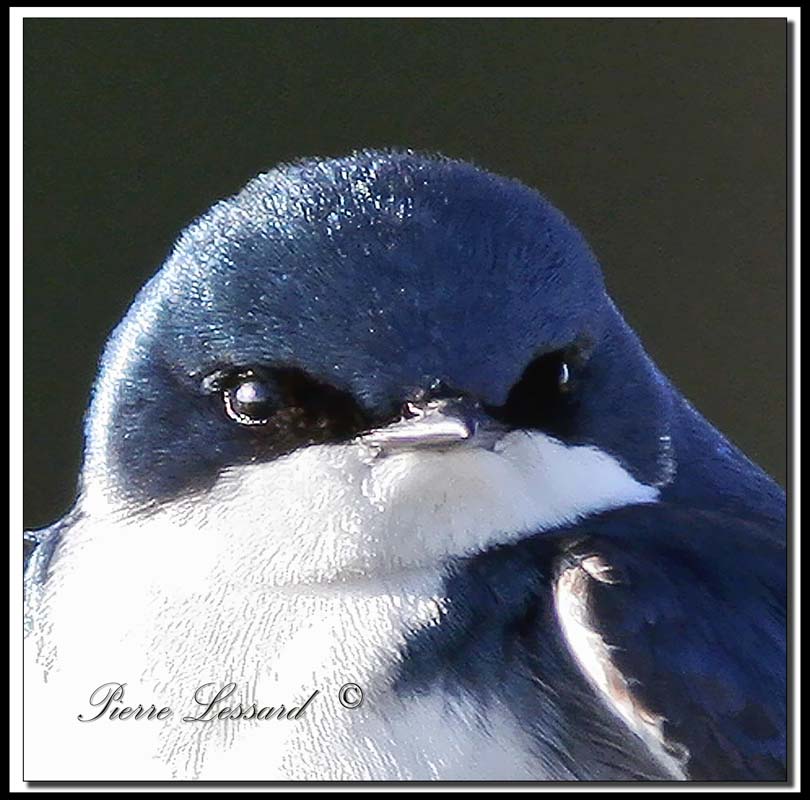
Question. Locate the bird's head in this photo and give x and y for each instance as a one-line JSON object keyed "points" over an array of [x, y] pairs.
{"points": [[380, 359]]}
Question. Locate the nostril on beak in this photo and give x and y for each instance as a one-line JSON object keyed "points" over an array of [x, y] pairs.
{"points": [[431, 395], [427, 404]]}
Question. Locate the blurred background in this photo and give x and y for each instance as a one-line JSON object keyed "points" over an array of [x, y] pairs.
{"points": [[663, 141]]}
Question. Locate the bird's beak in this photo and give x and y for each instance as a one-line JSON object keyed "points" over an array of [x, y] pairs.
{"points": [[435, 425]]}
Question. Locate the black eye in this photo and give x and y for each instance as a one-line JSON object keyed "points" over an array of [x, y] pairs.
{"points": [[250, 401], [287, 404], [543, 398]]}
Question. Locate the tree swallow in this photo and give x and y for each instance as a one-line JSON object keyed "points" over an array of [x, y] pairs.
{"points": [[375, 444]]}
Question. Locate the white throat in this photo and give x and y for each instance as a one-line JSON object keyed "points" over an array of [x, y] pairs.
{"points": [[333, 512]]}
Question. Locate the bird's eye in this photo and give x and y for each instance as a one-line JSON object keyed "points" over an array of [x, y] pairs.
{"points": [[250, 401], [543, 397], [293, 406]]}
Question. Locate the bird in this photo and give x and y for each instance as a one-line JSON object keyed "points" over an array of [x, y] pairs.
{"points": [[374, 453]]}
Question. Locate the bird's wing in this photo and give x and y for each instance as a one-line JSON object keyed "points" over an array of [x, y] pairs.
{"points": [[38, 549], [678, 621]]}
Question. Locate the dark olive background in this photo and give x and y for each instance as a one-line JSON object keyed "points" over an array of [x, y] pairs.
{"points": [[664, 141]]}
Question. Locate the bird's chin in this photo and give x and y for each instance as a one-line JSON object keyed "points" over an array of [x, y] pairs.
{"points": [[334, 512]]}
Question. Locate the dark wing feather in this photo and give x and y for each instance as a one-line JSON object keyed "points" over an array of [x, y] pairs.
{"points": [[694, 614]]}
